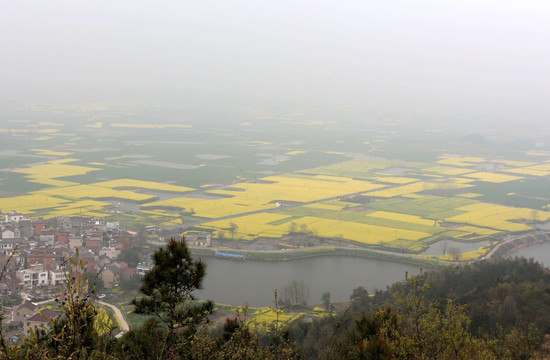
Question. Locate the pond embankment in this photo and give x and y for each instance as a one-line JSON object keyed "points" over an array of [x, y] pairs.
{"points": [[306, 253]]}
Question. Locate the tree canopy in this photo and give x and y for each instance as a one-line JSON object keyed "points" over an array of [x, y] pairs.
{"points": [[168, 288]]}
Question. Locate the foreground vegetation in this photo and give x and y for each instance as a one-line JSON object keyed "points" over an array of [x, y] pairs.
{"points": [[486, 310]]}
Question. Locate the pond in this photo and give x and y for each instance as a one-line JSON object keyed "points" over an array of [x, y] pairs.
{"points": [[539, 252], [444, 247], [236, 282]]}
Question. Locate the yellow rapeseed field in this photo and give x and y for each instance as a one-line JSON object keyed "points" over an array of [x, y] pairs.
{"points": [[325, 206], [537, 153], [528, 171], [402, 217], [52, 182], [95, 192], [359, 166], [460, 161], [55, 169], [469, 195], [396, 180], [498, 217], [261, 196], [514, 163], [295, 152], [51, 152], [252, 226], [363, 233], [130, 183], [26, 204], [492, 177], [159, 213], [210, 209], [96, 125], [43, 138], [150, 126], [415, 188], [447, 170], [477, 230]]}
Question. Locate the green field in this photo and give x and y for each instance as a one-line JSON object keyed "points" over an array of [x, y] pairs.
{"points": [[352, 186]]}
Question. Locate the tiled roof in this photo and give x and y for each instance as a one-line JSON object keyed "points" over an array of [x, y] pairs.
{"points": [[44, 315], [27, 305]]}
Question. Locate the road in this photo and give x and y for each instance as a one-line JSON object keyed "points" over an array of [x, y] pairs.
{"points": [[118, 313], [514, 238]]}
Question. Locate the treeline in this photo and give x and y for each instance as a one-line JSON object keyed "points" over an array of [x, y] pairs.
{"points": [[487, 310]]}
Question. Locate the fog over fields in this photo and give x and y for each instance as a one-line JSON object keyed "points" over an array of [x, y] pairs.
{"points": [[470, 62]]}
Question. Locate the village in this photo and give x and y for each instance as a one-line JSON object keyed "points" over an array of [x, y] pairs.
{"points": [[34, 256]]}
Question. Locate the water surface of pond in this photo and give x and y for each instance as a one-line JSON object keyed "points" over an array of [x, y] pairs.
{"points": [[237, 282], [539, 252]]}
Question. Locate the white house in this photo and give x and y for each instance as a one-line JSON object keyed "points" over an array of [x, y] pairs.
{"points": [[7, 246], [142, 268], [34, 276], [14, 216], [57, 276]]}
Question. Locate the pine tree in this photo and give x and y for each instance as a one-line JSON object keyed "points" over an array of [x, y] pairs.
{"points": [[168, 289]]}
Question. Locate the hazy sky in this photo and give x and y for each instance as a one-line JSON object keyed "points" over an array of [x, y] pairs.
{"points": [[438, 56]]}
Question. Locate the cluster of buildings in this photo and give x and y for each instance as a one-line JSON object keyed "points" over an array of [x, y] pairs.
{"points": [[35, 255], [43, 248], [30, 317]]}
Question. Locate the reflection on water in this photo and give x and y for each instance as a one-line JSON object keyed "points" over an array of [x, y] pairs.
{"points": [[237, 282]]}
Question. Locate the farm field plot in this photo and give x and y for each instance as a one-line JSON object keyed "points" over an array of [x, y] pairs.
{"points": [[447, 170], [301, 189], [396, 180], [415, 188], [413, 219], [51, 152], [247, 197], [430, 207], [363, 168], [460, 161], [533, 170], [492, 177], [325, 206], [94, 192], [55, 169], [210, 209], [139, 184], [29, 204], [250, 227], [264, 319], [498, 217], [321, 180], [361, 233]]}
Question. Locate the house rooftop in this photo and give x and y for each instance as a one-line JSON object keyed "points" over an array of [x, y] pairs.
{"points": [[27, 305], [44, 315]]}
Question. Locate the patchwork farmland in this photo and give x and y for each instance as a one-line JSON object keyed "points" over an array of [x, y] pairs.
{"points": [[368, 201]]}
